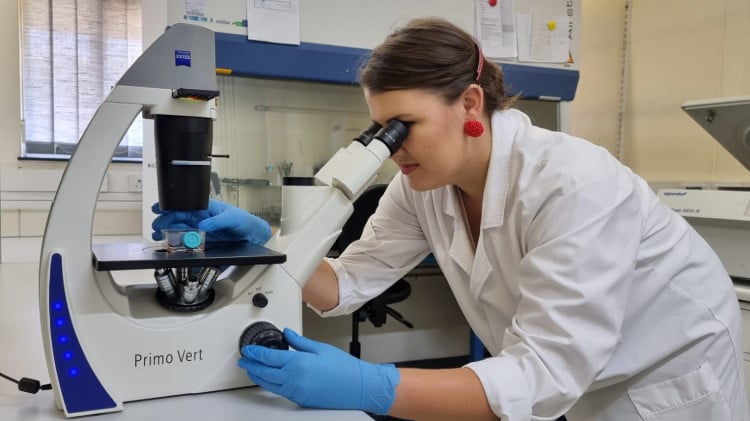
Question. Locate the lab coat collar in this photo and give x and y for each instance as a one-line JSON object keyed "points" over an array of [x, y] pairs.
{"points": [[461, 245], [505, 126], [473, 262]]}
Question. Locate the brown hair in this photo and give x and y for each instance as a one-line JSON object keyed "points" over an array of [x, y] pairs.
{"points": [[433, 54]]}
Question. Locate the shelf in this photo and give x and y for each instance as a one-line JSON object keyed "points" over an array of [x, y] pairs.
{"points": [[246, 182]]}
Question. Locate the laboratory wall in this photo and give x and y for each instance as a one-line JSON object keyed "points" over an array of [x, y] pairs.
{"points": [[10, 109], [594, 110], [684, 50], [679, 50]]}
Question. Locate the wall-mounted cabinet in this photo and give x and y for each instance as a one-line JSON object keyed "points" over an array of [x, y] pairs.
{"points": [[272, 128]]}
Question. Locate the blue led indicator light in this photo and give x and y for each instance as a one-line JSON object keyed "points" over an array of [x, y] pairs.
{"points": [[80, 388], [59, 322]]}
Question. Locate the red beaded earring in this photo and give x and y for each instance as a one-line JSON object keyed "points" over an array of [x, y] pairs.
{"points": [[473, 128]]}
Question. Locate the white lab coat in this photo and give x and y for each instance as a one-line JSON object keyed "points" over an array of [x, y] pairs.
{"points": [[593, 298]]}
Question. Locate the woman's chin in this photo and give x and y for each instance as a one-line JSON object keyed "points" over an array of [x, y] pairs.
{"points": [[421, 185]]}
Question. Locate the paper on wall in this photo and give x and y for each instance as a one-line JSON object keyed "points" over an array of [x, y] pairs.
{"points": [[273, 21], [543, 38], [495, 28], [195, 7]]}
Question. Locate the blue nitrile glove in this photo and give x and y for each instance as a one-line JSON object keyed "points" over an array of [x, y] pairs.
{"points": [[221, 222], [319, 375]]}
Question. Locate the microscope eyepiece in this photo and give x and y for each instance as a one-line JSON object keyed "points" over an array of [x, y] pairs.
{"points": [[393, 134], [366, 136]]}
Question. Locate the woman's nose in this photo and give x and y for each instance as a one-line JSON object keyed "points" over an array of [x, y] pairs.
{"points": [[398, 154]]}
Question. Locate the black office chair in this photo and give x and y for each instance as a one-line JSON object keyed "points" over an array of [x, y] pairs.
{"points": [[377, 309]]}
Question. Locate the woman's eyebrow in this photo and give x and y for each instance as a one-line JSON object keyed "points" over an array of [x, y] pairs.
{"points": [[403, 116]]}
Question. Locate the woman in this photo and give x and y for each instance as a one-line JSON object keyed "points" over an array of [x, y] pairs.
{"points": [[592, 297]]}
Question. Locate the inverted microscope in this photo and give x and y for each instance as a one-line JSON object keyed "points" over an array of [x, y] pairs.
{"points": [[107, 343]]}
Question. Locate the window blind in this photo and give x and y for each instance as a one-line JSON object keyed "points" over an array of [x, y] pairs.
{"points": [[74, 51]]}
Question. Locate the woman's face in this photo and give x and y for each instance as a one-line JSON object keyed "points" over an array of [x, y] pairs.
{"points": [[433, 154]]}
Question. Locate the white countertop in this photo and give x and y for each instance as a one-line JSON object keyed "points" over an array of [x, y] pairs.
{"points": [[242, 404], [21, 355]]}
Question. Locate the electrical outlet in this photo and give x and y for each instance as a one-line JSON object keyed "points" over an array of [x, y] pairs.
{"points": [[135, 183]]}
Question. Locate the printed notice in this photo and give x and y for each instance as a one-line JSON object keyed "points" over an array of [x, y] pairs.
{"points": [[195, 8], [543, 38], [495, 28], [273, 21]]}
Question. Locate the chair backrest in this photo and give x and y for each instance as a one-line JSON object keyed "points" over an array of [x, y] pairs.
{"points": [[364, 206]]}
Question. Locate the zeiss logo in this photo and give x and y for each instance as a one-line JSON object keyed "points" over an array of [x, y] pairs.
{"points": [[675, 193], [182, 58]]}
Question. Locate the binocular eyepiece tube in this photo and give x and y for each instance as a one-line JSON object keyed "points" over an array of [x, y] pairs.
{"points": [[392, 135]]}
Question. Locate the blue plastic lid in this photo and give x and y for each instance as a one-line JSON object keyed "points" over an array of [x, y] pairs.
{"points": [[191, 239]]}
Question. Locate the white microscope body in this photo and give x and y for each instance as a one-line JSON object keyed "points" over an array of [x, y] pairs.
{"points": [[106, 344]]}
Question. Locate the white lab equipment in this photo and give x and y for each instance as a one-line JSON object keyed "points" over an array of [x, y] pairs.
{"points": [[721, 215], [106, 343]]}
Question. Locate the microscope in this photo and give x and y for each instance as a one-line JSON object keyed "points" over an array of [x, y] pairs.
{"points": [[107, 343]]}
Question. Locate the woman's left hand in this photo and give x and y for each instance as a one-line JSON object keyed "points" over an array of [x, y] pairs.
{"points": [[319, 375]]}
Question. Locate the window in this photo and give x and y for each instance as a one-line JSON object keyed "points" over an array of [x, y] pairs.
{"points": [[73, 53]]}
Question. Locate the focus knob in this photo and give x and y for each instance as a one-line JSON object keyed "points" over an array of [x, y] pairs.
{"points": [[264, 334], [260, 300]]}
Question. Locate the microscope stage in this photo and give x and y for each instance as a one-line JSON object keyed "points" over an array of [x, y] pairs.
{"points": [[128, 256]]}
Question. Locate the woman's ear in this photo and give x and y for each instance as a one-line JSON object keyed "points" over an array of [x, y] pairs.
{"points": [[473, 100]]}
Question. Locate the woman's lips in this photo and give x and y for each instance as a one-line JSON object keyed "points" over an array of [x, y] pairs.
{"points": [[408, 168]]}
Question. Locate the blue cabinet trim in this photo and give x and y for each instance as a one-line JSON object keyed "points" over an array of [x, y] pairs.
{"points": [[307, 62], [333, 64]]}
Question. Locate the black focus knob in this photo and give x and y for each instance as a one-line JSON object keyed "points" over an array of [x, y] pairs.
{"points": [[260, 300], [264, 334]]}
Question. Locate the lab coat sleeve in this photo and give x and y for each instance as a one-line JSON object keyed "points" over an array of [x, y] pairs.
{"points": [[581, 244], [392, 243]]}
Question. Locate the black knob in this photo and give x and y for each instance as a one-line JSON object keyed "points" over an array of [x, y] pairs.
{"points": [[265, 334], [260, 300]]}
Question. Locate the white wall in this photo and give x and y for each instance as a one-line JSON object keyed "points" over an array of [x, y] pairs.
{"points": [[679, 51], [10, 110], [684, 50], [595, 107]]}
